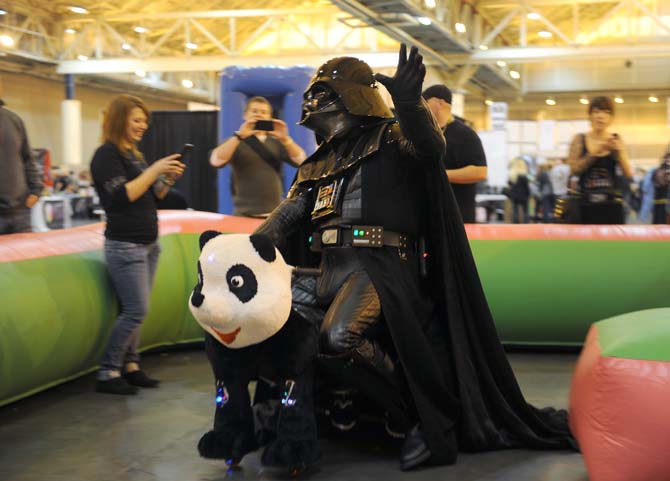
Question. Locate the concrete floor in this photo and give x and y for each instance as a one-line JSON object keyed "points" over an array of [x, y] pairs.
{"points": [[70, 433]]}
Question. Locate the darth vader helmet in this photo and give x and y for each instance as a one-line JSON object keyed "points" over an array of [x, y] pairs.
{"points": [[342, 95]]}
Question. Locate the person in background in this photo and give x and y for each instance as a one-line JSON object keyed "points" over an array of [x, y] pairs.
{"points": [[128, 190], [546, 192], [599, 158], [21, 179], [661, 183], [559, 175], [256, 157], [465, 159], [519, 190]]}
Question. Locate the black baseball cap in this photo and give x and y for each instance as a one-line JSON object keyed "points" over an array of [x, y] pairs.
{"points": [[439, 91]]}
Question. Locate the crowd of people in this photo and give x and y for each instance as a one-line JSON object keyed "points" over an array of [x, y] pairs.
{"points": [[595, 184]]}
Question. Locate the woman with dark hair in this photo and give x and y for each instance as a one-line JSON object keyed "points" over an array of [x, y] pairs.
{"points": [[128, 190], [600, 160]]}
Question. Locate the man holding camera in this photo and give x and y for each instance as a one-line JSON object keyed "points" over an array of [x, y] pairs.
{"points": [[256, 153]]}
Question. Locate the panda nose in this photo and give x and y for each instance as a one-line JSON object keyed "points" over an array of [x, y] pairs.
{"points": [[197, 298]]}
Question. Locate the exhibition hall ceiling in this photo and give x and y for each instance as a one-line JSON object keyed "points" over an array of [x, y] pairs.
{"points": [[488, 46]]}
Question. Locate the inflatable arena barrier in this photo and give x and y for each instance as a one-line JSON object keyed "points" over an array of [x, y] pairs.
{"points": [[546, 284]]}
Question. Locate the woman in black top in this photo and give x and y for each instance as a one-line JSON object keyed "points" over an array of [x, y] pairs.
{"points": [[128, 190], [599, 159]]}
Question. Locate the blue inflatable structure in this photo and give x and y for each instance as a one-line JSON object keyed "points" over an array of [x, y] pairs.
{"points": [[283, 87]]}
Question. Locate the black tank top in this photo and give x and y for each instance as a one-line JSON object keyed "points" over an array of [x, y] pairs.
{"points": [[600, 177], [661, 183]]}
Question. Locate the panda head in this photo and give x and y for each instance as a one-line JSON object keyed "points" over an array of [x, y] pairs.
{"points": [[243, 295]]}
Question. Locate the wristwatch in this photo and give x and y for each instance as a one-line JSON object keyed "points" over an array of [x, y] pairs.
{"points": [[237, 134]]}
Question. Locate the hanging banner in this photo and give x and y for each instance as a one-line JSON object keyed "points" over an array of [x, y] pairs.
{"points": [[498, 115]]}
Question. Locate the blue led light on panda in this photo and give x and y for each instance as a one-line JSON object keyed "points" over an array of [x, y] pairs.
{"points": [[221, 394], [287, 399]]}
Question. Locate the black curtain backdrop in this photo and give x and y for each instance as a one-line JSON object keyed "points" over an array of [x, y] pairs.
{"points": [[168, 131]]}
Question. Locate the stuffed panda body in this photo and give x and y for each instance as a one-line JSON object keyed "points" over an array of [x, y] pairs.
{"points": [[243, 302]]}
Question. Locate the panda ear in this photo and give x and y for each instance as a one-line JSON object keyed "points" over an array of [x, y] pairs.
{"points": [[206, 236], [264, 246]]}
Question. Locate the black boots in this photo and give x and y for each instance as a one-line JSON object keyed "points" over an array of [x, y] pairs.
{"points": [[140, 379], [115, 385], [414, 450]]}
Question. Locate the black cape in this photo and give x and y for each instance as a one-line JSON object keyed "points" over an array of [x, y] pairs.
{"points": [[458, 354], [442, 329]]}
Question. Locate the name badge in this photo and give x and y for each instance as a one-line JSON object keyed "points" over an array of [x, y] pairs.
{"points": [[327, 199]]}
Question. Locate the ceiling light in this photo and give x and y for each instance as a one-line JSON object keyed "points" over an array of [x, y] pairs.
{"points": [[584, 101], [544, 34], [6, 41], [76, 9], [141, 29], [488, 102], [550, 101], [653, 99], [187, 83], [533, 16], [501, 63], [514, 74], [126, 46], [83, 58], [429, 3], [140, 73], [618, 99], [460, 27], [3, 11], [70, 31], [191, 45], [483, 47], [424, 20]]}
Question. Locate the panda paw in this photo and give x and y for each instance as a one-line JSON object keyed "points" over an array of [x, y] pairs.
{"points": [[226, 445], [294, 455]]}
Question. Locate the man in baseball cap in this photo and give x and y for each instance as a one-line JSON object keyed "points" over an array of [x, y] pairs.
{"points": [[465, 160]]}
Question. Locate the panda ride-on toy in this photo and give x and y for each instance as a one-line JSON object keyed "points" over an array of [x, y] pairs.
{"points": [[243, 302]]}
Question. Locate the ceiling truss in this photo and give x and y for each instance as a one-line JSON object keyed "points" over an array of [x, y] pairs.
{"points": [[472, 44]]}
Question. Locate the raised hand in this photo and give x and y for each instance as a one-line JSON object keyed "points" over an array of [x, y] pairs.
{"points": [[169, 166], [247, 129], [408, 79]]}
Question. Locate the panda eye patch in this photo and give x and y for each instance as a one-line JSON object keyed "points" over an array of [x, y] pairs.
{"points": [[242, 282]]}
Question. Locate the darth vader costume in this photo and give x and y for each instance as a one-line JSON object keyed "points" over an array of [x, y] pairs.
{"points": [[400, 306]]}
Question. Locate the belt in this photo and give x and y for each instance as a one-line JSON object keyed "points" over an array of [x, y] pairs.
{"points": [[360, 236], [601, 197]]}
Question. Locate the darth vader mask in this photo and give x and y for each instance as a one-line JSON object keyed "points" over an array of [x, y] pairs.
{"points": [[324, 112]]}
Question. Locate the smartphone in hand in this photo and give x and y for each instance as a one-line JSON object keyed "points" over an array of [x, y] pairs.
{"points": [[265, 125], [185, 150]]}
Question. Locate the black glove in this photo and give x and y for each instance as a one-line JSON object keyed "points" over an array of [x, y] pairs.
{"points": [[406, 84]]}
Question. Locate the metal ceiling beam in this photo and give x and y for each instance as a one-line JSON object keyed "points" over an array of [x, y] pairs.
{"points": [[543, 54], [536, 3], [143, 17], [202, 63], [372, 19], [411, 10]]}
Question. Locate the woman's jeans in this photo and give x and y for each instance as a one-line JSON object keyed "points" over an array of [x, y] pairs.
{"points": [[520, 211], [131, 267]]}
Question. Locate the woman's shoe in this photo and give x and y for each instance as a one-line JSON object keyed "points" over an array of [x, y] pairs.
{"points": [[115, 385], [139, 378]]}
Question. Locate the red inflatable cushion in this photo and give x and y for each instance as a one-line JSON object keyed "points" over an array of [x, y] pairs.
{"points": [[620, 414]]}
